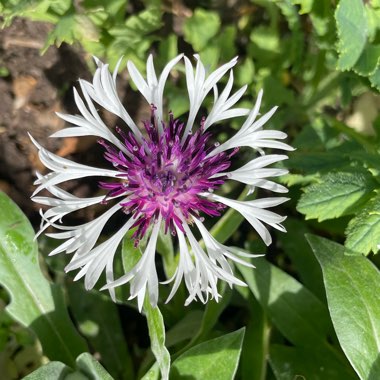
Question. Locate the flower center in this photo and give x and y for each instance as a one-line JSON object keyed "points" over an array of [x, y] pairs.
{"points": [[164, 176]]}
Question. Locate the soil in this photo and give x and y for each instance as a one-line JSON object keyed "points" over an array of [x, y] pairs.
{"points": [[33, 88]]}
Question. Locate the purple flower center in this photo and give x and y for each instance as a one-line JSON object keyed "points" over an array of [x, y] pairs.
{"points": [[162, 176]]}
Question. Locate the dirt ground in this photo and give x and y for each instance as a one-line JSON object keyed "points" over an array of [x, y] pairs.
{"points": [[33, 87]]}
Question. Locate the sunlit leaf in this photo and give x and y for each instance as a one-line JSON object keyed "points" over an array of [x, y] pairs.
{"points": [[35, 302], [352, 288], [215, 359]]}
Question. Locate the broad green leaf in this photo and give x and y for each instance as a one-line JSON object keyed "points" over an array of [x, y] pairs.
{"points": [[335, 195], [215, 359], [185, 329], [51, 371], [299, 251], [200, 28], [35, 302], [351, 22], [293, 309], [363, 231], [210, 316], [352, 288], [105, 333], [299, 363], [87, 364], [157, 337]]}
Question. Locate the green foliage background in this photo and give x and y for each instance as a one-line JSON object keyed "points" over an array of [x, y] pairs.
{"points": [[312, 306]]}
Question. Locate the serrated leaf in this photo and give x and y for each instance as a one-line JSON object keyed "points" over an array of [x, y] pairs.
{"points": [[351, 22], [35, 302], [368, 61], [363, 231], [215, 359], [352, 287], [51, 371], [336, 194], [375, 79], [200, 28], [295, 363], [87, 364]]}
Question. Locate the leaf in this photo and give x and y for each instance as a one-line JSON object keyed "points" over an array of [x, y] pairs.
{"points": [[200, 28], [185, 329], [299, 363], [363, 231], [35, 302], [107, 338], [336, 195], [210, 316], [352, 288], [352, 27], [92, 368], [253, 363], [215, 359], [375, 79], [368, 61], [299, 251], [293, 309], [51, 371], [157, 337]]}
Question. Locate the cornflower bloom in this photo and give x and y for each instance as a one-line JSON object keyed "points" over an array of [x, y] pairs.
{"points": [[162, 176]]}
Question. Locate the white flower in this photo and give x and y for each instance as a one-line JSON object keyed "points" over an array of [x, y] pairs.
{"points": [[164, 174]]}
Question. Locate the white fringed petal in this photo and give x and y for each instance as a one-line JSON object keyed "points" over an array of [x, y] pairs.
{"points": [[64, 170], [103, 91], [221, 109], [198, 86], [255, 212], [153, 89], [251, 133], [143, 275], [254, 173]]}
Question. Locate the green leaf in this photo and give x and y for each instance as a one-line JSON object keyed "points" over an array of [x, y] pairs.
{"points": [[200, 28], [352, 288], [91, 308], [299, 363], [210, 316], [157, 337], [253, 363], [35, 302], [185, 329], [375, 79], [299, 251], [306, 5], [352, 26], [92, 368], [293, 309], [336, 195], [51, 371], [368, 61], [215, 359], [363, 231]]}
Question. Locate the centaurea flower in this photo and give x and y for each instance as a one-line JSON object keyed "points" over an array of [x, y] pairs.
{"points": [[164, 175]]}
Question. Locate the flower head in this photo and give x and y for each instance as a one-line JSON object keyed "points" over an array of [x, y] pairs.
{"points": [[163, 175]]}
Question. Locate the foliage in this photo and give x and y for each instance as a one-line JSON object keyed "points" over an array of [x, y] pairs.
{"points": [[311, 306]]}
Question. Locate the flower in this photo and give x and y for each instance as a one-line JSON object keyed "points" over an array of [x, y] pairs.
{"points": [[162, 175]]}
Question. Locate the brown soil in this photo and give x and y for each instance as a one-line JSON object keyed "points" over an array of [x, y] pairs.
{"points": [[33, 90]]}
